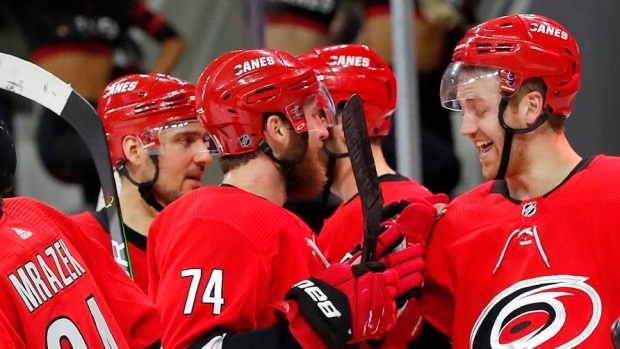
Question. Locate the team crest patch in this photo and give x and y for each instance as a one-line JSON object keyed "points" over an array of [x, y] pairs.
{"points": [[245, 140], [529, 209]]}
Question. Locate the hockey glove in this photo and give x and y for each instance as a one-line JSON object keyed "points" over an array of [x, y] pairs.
{"points": [[402, 230], [346, 304], [393, 210], [408, 327]]}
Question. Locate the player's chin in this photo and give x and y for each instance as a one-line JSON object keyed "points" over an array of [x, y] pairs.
{"points": [[489, 171]]}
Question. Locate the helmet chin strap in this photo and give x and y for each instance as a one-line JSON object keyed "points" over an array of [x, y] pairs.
{"points": [[145, 188], [332, 155], [509, 133], [286, 165]]}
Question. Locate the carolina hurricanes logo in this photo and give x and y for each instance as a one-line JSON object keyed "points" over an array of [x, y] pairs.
{"points": [[558, 311]]}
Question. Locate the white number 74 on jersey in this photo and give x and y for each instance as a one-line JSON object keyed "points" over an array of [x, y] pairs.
{"points": [[212, 293]]}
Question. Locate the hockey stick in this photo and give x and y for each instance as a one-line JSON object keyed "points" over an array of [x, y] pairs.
{"points": [[365, 173], [615, 333], [33, 82]]}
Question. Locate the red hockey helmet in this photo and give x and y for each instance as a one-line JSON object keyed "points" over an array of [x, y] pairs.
{"points": [[143, 105], [239, 88], [515, 48], [349, 69]]}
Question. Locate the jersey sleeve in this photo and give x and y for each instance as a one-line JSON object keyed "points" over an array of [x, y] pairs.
{"points": [[136, 314], [89, 224], [437, 301], [201, 285]]}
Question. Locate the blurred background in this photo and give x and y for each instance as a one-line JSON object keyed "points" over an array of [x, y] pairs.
{"points": [[210, 28]]}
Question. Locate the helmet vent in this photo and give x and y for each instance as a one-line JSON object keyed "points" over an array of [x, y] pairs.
{"points": [[302, 83], [490, 48], [153, 106], [262, 93], [175, 101], [144, 108]]}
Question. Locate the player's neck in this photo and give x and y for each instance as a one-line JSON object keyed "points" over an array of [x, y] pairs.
{"points": [[261, 177], [549, 166], [137, 214], [344, 185]]}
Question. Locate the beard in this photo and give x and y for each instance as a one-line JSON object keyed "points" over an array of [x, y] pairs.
{"points": [[307, 178]]}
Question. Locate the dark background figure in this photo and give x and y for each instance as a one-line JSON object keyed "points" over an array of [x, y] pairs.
{"points": [[76, 40]]}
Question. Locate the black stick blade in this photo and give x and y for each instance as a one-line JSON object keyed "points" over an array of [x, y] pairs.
{"points": [[365, 173]]}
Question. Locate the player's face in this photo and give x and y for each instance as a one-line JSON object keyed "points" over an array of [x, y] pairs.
{"points": [[182, 162], [307, 178], [480, 102]]}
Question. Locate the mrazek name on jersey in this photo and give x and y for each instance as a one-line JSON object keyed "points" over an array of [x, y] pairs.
{"points": [[350, 61], [549, 30], [253, 64], [121, 86], [45, 275]]}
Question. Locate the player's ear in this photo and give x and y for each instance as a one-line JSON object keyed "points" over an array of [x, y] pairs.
{"points": [[276, 131], [132, 148], [533, 103]]}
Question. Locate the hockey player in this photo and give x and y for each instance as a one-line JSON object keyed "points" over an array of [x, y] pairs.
{"points": [[225, 261], [345, 70], [524, 259], [158, 148], [61, 289]]}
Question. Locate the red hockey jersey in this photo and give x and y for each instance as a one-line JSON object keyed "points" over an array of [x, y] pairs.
{"points": [[136, 244], [57, 286], [534, 274], [219, 257], [344, 229]]}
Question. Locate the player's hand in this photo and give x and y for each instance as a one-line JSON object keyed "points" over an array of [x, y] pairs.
{"points": [[401, 246], [393, 210], [346, 304], [401, 230]]}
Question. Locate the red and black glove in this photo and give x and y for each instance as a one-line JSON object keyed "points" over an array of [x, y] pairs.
{"points": [[401, 246], [346, 304], [405, 223], [393, 210], [408, 327]]}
